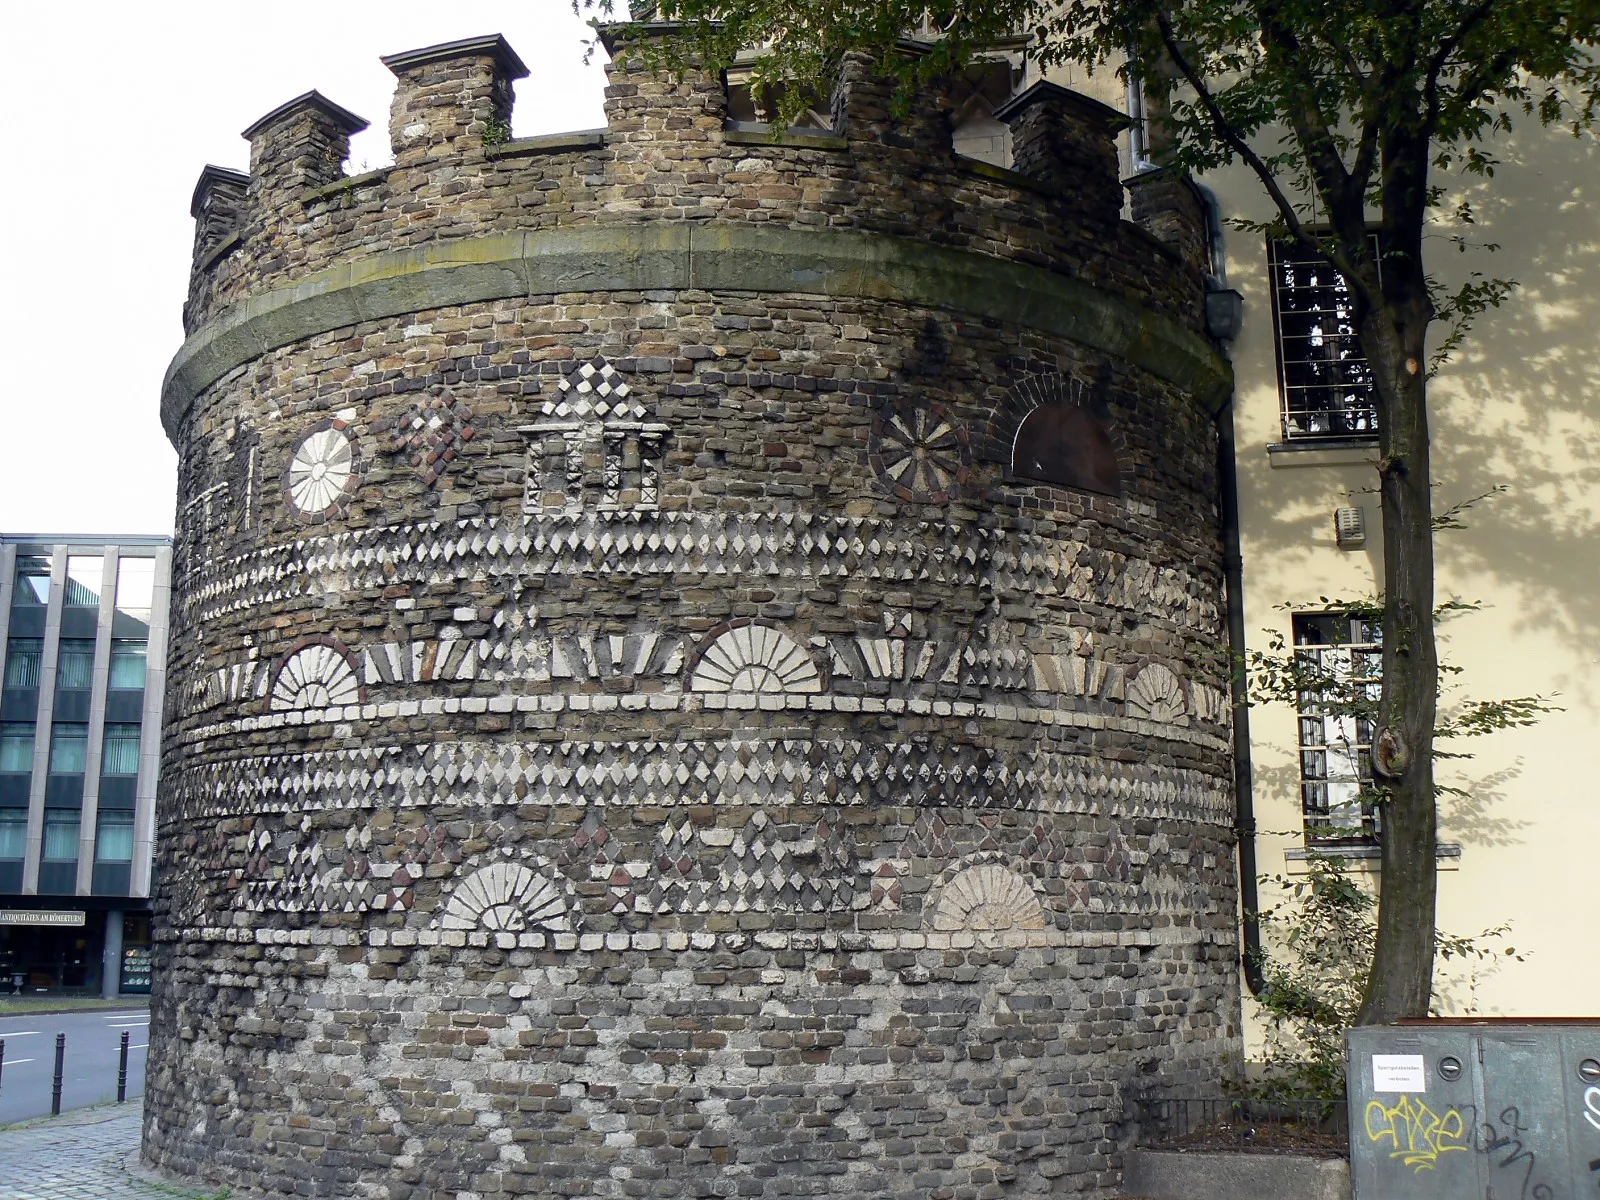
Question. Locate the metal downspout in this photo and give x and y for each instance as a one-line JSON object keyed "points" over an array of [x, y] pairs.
{"points": [[1244, 821]]}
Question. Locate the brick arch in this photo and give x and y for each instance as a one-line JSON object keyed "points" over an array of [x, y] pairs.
{"points": [[1056, 429]]}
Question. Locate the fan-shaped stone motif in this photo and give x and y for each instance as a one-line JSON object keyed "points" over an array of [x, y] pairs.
{"points": [[315, 676], [988, 897], [1156, 694], [321, 471], [506, 897], [755, 658]]}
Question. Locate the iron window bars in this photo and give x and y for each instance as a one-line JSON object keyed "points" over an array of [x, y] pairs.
{"points": [[1324, 379], [1345, 653]]}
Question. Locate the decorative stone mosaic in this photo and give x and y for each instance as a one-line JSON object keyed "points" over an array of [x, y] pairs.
{"points": [[317, 674], [653, 742], [322, 471], [753, 657], [919, 452], [431, 435]]}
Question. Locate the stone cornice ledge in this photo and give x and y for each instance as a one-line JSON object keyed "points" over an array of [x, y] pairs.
{"points": [[712, 257]]}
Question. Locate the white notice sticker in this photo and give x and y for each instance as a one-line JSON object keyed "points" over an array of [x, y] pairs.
{"points": [[1398, 1073]]}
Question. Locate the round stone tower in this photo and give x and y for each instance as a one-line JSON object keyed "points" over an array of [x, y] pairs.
{"points": [[696, 661]]}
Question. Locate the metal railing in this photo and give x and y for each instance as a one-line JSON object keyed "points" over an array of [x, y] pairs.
{"points": [[1244, 1123]]}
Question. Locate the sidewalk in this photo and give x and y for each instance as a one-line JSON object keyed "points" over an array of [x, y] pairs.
{"points": [[76, 1157]]}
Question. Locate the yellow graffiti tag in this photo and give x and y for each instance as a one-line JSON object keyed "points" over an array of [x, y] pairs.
{"points": [[1418, 1134]]}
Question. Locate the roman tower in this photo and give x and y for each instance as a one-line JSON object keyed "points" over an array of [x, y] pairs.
{"points": [[697, 658]]}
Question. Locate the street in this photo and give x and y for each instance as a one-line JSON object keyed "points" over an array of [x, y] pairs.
{"points": [[90, 1074]]}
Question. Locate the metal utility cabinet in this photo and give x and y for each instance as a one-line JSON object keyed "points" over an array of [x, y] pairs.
{"points": [[1454, 1110]]}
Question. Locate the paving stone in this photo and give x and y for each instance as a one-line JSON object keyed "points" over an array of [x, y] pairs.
{"points": [[79, 1156]]}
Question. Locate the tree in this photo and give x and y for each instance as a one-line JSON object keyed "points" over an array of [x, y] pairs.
{"points": [[1344, 108]]}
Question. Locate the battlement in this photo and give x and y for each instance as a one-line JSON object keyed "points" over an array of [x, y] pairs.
{"points": [[671, 152]]}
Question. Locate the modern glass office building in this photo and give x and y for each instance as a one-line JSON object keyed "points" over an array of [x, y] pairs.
{"points": [[83, 633]]}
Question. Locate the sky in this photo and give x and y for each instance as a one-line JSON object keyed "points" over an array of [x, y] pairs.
{"points": [[94, 211]]}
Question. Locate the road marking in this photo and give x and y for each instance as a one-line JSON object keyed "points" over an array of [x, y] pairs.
{"points": [[17, 1062], [124, 1016], [131, 1025], [21, 1033], [146, 1046]]}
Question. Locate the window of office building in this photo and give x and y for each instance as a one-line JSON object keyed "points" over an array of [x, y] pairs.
{"points": [[23, 659], [136, 586], [75, 663], [1340, 658], [113, 841], [13, 834], [119, 754], [1323, 374], [33, 581], [60, 835], [128, 664], [16, 749], [69, 749], [85, 575]]}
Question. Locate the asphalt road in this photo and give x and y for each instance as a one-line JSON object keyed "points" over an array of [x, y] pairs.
{"points": [[90, 1068]]}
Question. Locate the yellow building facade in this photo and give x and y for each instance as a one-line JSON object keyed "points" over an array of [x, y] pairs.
{"points": [[1517, 408]]}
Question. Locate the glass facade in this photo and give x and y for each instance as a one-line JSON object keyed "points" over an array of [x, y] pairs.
{"points": [[114, 840], [136, 585], [24, 660], [75, 664], [16, 749], [84, 577], [33, 582], [13, 834], [76, 642], [61, 835], [128, 664], [119, 752], [69, 749]]}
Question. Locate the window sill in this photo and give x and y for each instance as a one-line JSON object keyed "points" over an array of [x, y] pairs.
{"points": [[1332, 453], [1364, 859]]}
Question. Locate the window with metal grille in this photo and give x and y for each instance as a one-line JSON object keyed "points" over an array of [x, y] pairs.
{"points": [[1339, 658], [1323, 374]]}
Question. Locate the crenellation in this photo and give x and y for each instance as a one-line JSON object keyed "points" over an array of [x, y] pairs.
{"points": [[697, 665], [451, 101], [669, 154], [1067, 142]]}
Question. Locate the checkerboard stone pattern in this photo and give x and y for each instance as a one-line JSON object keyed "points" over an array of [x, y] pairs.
{"points": [[679, 758]]}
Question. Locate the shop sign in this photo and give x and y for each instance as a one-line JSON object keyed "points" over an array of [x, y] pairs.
{"points": [[39, 916]]}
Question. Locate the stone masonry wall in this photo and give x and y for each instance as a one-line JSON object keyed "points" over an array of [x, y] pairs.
{"points": [[650, 743]]}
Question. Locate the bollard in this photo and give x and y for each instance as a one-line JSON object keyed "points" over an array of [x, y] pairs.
{"points": [[122, 1070], [2, 1056], [55, 1087]]}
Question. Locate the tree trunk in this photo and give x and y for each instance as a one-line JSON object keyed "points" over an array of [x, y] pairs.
{"points": [[1401, 984]]}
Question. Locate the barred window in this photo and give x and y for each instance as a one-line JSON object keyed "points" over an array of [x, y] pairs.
{"points": [[1340, 656], [1323, 374]]}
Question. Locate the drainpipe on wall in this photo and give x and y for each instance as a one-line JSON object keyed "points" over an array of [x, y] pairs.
{"points": [[1244, 822]]}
